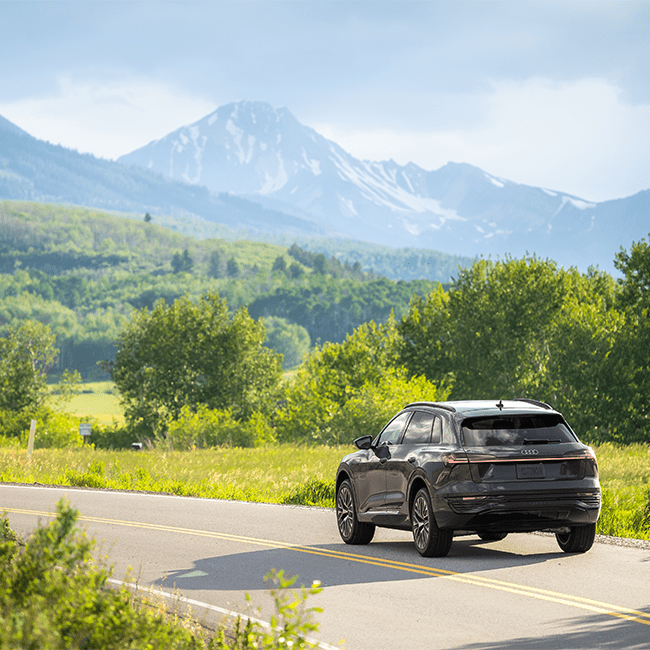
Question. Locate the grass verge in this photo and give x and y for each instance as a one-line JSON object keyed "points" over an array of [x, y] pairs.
{"points": [[283, 473]]}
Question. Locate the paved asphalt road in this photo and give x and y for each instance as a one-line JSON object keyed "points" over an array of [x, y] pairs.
{"points": [[522, 592]]}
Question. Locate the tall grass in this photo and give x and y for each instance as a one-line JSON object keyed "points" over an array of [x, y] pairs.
{"points": [[283, 473], [625, 479]]}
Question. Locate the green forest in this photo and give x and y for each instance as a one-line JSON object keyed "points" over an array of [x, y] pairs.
{"points": [[184, 329], [85, 273]]}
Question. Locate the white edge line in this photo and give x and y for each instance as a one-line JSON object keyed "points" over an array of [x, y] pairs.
{"points": [[214, 608]]}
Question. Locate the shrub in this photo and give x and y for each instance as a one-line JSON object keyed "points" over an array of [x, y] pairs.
{"points": [[53, 429], [310, 415], [52, 595], [216, 427], [113, 436]]}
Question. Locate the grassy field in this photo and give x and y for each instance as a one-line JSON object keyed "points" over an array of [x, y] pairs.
{"points": [[275, 474], [290, 473], [98, 399]]}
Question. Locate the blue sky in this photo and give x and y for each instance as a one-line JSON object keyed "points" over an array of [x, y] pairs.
{"points": [[552, 94]]}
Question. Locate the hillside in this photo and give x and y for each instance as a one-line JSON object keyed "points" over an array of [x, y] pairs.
{"points": [[83, 272], [33, 170]]}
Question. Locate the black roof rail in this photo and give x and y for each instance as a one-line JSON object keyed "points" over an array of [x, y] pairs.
{"points": [[436, 404], [534, 402]]}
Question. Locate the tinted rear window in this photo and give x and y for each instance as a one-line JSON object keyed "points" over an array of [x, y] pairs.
{"points": [[516, 430]]}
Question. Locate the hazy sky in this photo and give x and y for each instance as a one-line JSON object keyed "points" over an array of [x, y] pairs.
{"points": [[552, 94]]}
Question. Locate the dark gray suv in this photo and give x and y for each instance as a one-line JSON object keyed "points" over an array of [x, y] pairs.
{"points": [[470, 467]]}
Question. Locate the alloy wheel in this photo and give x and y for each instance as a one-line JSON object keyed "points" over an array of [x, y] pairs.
{"points": [[421, 522], [345, 511]]}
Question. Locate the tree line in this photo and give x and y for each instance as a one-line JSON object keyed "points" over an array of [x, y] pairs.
{"points": [[506, 328]]}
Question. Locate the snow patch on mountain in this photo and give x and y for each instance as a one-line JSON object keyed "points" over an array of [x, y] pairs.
{"points": [[314, 165], [494, 181], [348, 206], [274, 182], [581, 205]]}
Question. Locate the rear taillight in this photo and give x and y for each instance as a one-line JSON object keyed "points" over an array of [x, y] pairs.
{"points": [[458, 458], [587, 452]]}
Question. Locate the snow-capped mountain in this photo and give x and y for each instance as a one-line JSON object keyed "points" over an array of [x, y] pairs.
{"points": [[268, 176], [265, 154]]}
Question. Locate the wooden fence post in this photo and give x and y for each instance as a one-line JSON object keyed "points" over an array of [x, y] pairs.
{"points": [[30, 444]]}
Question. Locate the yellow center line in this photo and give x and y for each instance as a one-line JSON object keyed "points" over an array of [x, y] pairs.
{"points": [[491, 583]]}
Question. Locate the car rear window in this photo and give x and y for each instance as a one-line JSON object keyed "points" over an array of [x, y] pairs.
{"points": [[503, 430]]}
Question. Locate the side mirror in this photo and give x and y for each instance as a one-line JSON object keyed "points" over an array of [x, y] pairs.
{"points": [[363, 442]]}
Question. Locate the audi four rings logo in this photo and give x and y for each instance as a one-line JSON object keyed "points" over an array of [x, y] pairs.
{"points": [[530, 452]]}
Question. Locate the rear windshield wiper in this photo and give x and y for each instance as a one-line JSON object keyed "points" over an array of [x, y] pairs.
{"points": [[539, 441]]}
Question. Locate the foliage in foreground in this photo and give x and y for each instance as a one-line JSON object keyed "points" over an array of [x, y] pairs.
{"points": [[53, 595]]}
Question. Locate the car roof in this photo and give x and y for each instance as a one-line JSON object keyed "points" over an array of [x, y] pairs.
{"points": [[466, 408]]}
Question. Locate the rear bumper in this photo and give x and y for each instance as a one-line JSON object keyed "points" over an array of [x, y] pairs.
{"points": [[519, 511]]}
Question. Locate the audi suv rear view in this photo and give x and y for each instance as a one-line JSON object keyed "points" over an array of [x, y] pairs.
{"points": [[443, 469]]}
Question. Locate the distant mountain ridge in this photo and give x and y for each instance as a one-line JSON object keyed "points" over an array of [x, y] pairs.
{"points": [[254, 150], [255, 168]]}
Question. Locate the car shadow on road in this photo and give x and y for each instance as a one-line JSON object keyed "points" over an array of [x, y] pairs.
{"points": [[338, 564], [602, 631]]}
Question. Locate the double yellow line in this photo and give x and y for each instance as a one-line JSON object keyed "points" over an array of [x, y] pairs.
{"points": [[593, 606]]}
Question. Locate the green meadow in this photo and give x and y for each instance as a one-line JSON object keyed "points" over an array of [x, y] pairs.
{"points": [[98, 400]]}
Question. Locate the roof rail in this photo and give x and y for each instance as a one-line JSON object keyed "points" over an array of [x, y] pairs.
{"points": [[446, 407], [535, 402]]}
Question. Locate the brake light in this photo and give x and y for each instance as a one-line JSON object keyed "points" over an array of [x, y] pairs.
{"points": [[458, 458], [455, 459], [588, 452]]}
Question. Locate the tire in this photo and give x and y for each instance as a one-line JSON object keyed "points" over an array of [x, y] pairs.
{"points": [[579, 539], [429, 540], [492, 537], [351, 530]]}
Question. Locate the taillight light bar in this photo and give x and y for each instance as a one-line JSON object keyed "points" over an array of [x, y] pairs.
{"points": [[588, 452]]}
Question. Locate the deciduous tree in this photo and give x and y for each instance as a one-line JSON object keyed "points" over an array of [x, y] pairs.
{"points": [[25, 354], [193, 353]]}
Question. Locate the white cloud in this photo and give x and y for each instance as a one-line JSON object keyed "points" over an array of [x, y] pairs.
{"points": [[580, 137], [109, 118]]}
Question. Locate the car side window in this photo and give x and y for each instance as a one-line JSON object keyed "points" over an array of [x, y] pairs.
{"points": [[448, 435], [393, 430], [419, 429], [436, 437]]}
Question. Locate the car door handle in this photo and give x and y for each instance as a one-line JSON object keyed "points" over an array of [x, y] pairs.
{"points": [[412, 460]]}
